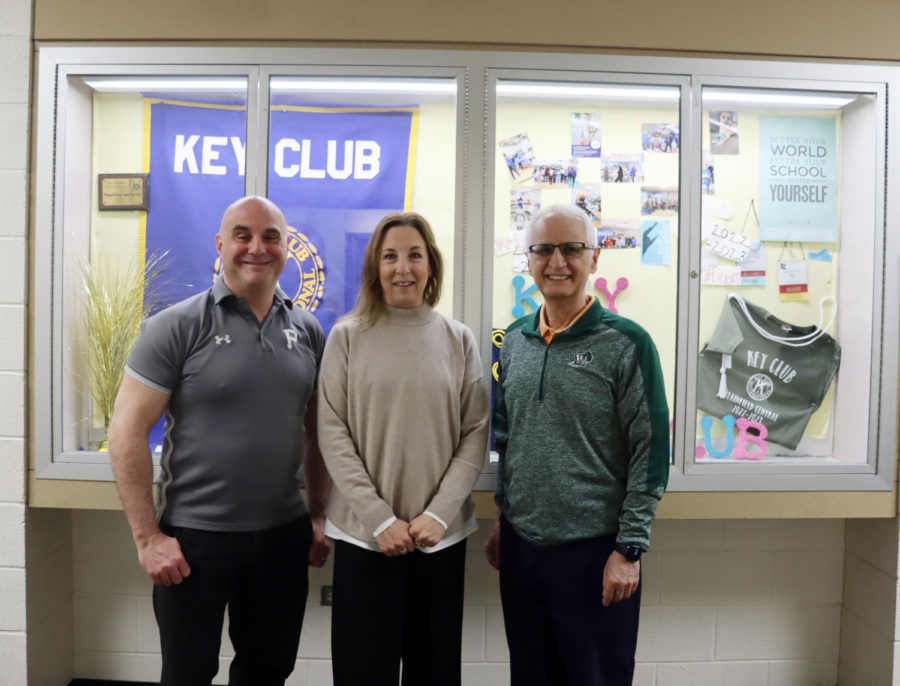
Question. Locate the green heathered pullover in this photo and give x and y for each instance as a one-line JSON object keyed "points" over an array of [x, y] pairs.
{"points": [[582, 430]]}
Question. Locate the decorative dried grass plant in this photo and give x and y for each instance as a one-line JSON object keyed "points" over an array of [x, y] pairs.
{"points": [[116, 299]]}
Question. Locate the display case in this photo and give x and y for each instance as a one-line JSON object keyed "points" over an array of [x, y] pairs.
{"points": [[741, 208], [790, 325], [610, 144], [741, 219], [335, 148]]}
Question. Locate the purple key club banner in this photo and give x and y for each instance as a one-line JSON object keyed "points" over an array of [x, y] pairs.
{"points": [[334, 172]]}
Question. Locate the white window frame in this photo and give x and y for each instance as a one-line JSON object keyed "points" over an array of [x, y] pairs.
{"points": [[476, 74]]}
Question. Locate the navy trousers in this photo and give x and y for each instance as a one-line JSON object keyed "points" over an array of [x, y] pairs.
{"points": [[262, 578], [389, 610], [558, 631]]}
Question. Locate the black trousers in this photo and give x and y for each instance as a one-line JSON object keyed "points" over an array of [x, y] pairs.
{"points": [[558, 631], [392, 609], [262, 577]]}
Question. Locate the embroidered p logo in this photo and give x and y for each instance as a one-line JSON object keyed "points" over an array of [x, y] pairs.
{"points": [[291, 337]]}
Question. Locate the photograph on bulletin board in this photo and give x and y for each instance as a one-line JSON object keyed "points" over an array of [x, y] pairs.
{"points": [[622, 168], [659, 201], [656, 242], [587, 197], [618, 234], [660, 137], [523, 204], [708, 173], [555, 173], [723, 133], [519, 156], [585, 135]]}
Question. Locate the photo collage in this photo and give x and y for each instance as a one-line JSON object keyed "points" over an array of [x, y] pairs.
{"points": [[648, 229]]}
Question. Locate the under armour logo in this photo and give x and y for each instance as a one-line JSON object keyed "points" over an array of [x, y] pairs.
{"points": [[226, 339], [291, 337], [582, 359]]}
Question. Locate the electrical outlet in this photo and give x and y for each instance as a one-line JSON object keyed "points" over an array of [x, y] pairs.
{"points": [[325, 599]]}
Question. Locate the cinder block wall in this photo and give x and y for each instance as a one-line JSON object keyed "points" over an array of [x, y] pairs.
{"points": [[15, 52], [869, 637], [755, 603], [48, 561]]}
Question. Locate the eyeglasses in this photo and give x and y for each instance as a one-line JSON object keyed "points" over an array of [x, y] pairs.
{"points": [[570, 249]]}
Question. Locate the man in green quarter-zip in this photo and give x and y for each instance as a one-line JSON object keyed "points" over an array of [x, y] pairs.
{"points": [[581, 426]]}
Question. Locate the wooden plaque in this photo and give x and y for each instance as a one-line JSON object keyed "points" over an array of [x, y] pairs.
{"points": [[124, 191]]}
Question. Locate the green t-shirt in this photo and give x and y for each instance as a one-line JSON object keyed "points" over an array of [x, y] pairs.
{"points": [[745, 374]]}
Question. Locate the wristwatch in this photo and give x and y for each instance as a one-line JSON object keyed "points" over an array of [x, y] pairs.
{"points": [[632, 553]]}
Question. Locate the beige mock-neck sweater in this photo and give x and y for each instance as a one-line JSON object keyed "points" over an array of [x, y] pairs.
{"points": [[403, 420]]}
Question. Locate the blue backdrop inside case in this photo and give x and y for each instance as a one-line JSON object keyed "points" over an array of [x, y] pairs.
{"points": [[334, 171]]}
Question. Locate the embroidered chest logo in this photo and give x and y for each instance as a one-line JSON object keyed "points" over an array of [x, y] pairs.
{"points": [[291, 337], [226, 339], [582, 359]]}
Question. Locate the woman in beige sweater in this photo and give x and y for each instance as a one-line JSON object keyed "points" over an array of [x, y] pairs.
{"points": [[403, 426]]}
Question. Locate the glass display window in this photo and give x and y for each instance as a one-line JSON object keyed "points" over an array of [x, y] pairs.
{"points": [[740, 207], [613, 149], [791, 184], [343, 152], [124, 246], [146, 161]]}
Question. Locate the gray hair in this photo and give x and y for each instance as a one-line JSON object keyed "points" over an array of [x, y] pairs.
{"points": [[571, 212]]}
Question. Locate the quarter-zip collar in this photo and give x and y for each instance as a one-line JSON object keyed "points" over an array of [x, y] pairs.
{"points": [[587, 323]]}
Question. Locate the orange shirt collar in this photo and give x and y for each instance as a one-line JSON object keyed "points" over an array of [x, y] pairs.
{"points": [[549, 334]]}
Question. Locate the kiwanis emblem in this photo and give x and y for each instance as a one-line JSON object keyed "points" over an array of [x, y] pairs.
{"points": [[582, 359], [759, 387], [303, 278]]}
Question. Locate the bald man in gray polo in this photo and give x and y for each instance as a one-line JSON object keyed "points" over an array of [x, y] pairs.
{"points": [[238, 392], [234, 371]]}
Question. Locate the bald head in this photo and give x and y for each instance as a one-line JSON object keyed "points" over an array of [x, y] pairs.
{"points": [[252, 244], [253, 203]]}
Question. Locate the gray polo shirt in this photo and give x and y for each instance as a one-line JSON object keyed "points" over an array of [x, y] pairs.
{"points": [[234, 425]]}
